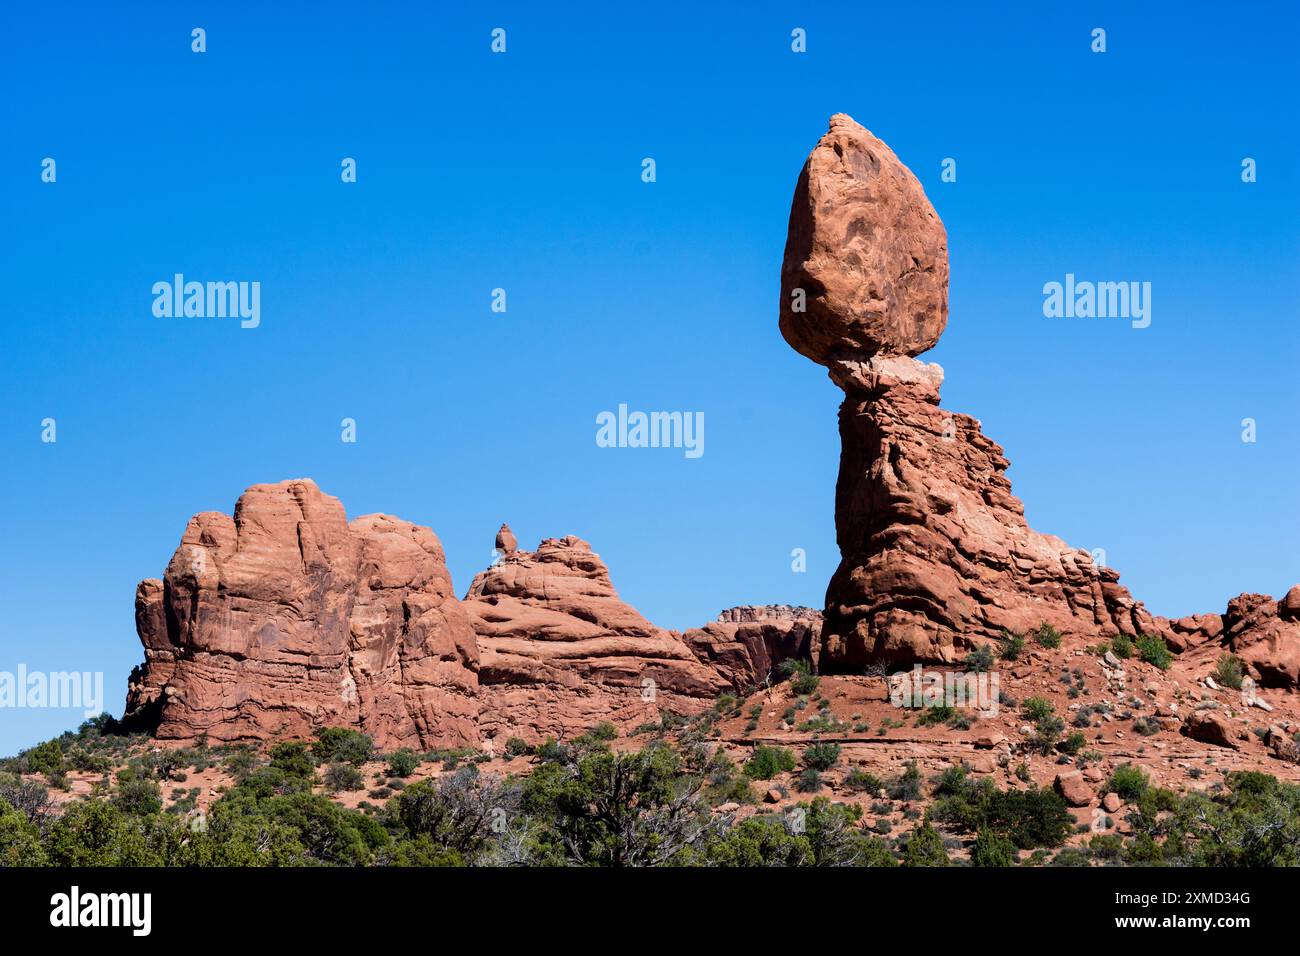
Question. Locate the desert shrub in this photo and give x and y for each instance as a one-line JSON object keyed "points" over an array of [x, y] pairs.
{"points": [[1128, 781], [809, 781], [551, 751], [1229, 671], [621, 809], [760, 841], [45, 757], [20, 839], [1011, 646], [272, 781], [935, 714], [925, 848], [907, 785], [1121, 645], [29, 797], [766, 762], [820, 724], [291, 758], [88, 761], [603, 731], [960, 721], [1047, 636], [1036, 708], [830, 837], [402, 763], [518, 747], [98, 833], [1106, 846], [340, 776], [821, 756], [1146, 726], [859, 780], [836, 840], [240, 761], [1152, 649], [802, 680], [1071, 856], [1073, 743], [1047, 734], [993, 850], [727, 705], [979, 660], [138, 796], [1028, 818], [734, 788], [168, 763], [951, 781], [342, 744]]}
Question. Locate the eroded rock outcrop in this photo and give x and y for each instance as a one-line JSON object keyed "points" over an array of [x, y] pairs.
{"points": [[936, 556], [285, 618], [1265, 634], [560, 651], [746, 645]]}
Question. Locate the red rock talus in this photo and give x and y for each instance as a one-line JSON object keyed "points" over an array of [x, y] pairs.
{"points": [[561, 651], [285, 618]]}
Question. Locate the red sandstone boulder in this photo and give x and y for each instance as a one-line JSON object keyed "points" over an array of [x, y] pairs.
{"points": [[506, 542], [1211, 727], [866, 259], [1074, 789]]}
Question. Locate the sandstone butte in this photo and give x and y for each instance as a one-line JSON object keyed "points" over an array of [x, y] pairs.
{"points": [[287, 617]]}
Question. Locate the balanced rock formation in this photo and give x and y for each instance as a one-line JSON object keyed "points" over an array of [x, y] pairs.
{"points": [[506, 541], [286, 618], [560, 651], [746, 645], [936, 556], [935, 550]]}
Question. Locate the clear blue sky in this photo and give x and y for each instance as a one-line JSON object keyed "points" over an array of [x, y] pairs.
{"points": [[522, 171]]}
